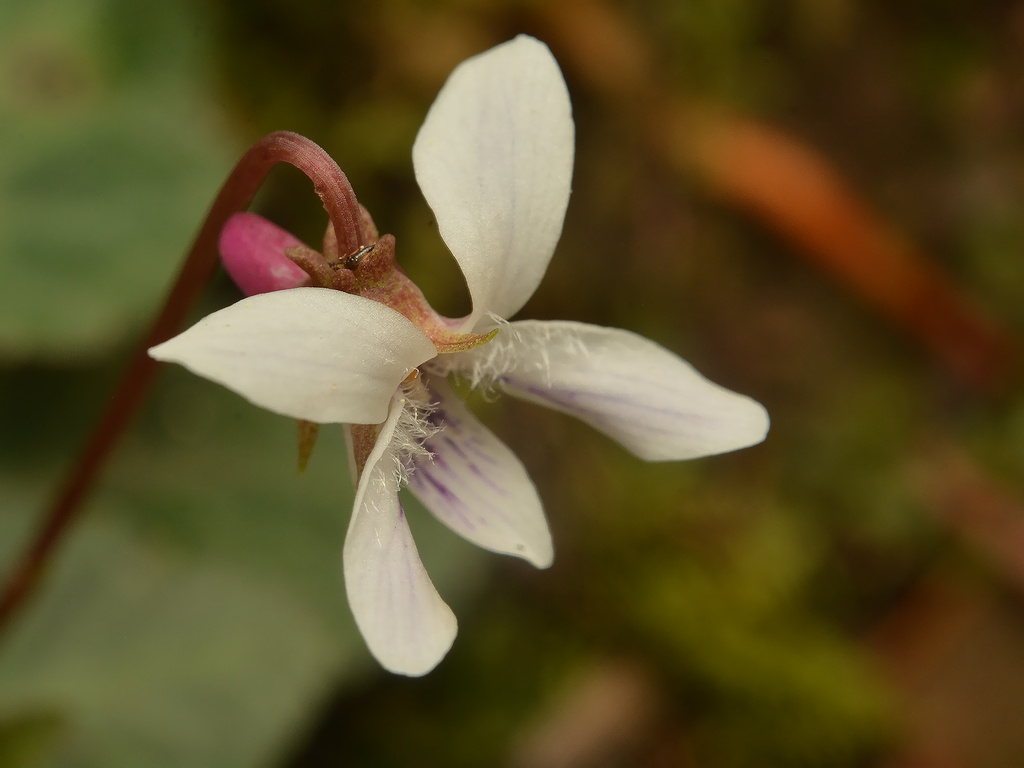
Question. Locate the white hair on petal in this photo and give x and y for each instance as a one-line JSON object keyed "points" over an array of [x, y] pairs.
{"points": [[509, 351], [413, 429], [482, 365]]}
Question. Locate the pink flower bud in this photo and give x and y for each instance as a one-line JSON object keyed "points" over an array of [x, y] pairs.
{"points": [[252, 250]]}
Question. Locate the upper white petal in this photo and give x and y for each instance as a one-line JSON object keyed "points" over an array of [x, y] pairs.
{"points": [[477, 487], [494, 160], [646, 397], [309, 353], [406, 624]]}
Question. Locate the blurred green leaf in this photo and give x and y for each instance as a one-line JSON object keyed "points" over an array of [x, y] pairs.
{"points": [[109, 156], [163, 660], [27, 740]]}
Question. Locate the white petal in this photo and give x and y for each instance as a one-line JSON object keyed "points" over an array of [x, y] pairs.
{"points": [[477, 487], [309, 353], [405, 623], [637, 392], [494, 160]]}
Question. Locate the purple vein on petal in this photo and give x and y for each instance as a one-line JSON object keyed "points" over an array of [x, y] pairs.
{"points": [[453, 504], [459, 448]]}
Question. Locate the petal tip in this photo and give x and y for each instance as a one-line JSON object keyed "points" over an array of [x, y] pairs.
{"points": [[424, 660], [542, 559], [751, 424], [161, 351]]}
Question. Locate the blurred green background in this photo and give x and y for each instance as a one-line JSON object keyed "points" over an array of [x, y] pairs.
{"points": [[849, 593]]}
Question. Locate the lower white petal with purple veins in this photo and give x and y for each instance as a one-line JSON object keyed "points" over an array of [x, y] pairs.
{"points": [[477, 487], [637, 392], [405, 623]]}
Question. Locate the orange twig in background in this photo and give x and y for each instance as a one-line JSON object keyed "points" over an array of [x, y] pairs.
{"points": [[799, 194], [790, 188]]}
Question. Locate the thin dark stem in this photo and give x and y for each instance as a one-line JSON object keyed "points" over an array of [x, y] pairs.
{"points": [[237, 193]]}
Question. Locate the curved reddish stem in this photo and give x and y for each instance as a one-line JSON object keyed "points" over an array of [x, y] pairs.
{"points": [[235, 195], [329, 181]]}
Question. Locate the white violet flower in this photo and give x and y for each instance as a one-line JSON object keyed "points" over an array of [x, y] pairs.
{"points": [[494, 160]]}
